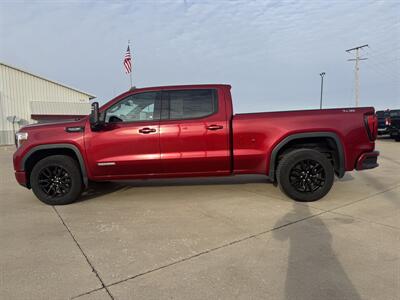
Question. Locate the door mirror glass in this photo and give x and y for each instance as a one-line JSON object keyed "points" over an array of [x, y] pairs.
{"points": [[96, 118]]}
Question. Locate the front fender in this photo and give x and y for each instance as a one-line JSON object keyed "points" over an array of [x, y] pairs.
{"points": [[58, 146]]}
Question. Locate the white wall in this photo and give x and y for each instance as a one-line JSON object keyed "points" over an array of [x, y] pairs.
{"points": [[18, 89]]}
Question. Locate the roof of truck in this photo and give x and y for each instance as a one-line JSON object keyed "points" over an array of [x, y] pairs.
{"points": [[183, 86]]}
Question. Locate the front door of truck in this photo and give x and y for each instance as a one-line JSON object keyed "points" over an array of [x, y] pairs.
{"points": [[128, 144], [194, 133]]}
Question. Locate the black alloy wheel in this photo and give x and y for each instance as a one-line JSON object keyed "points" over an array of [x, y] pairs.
{"points": [[54, 181], [307, 176]]}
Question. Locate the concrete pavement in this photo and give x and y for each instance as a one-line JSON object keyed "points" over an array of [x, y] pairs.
{"points": [[214, 238]]}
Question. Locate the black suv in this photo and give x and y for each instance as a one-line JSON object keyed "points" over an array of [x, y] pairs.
{"points": [[394, 128], [383, 121]]}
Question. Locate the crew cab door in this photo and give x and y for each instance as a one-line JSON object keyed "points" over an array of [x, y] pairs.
{"points": [[194, 133], [128, 144]]}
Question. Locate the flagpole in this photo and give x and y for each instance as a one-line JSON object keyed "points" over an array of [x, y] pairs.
{"points": [[130, 73]]}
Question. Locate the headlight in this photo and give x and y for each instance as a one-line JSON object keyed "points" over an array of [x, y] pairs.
{"points": [[20, 138]]}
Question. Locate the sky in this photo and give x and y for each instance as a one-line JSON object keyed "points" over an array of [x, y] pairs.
{"points": [[271, 52]]}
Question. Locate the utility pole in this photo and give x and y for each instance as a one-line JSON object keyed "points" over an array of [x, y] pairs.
{"points": [[322, 88], [356, 69]]}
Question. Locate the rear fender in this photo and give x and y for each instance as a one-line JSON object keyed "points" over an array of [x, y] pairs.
{"points": [[274, 154]]}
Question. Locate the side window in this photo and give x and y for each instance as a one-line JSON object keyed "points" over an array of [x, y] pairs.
{"points": [[138, 107], [192, 104]]}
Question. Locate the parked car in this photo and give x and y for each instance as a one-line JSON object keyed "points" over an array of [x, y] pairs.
{"points": [[383, 121], [185, 131], [395, 124]]}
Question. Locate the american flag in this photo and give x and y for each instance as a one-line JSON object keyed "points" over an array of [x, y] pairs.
{"points": [[127, 61]]}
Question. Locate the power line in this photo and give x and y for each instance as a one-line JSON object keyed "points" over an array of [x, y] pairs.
{"points": [[376, 71], [383, 51], [384, 61], [393, 54], [382, 72], [356, 70], [388, 67], [390, 74]]}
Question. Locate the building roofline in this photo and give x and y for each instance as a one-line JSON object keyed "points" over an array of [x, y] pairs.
{"points": [[52, 81]]}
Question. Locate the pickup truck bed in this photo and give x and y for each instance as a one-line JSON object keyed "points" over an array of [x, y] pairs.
{"points": [[345, 127]]}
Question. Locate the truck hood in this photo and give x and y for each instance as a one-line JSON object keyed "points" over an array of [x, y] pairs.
{"points": [[55, 133], [53, 125]]}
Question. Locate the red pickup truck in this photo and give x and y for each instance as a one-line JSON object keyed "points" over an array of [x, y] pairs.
{"points": [[182, 131]]}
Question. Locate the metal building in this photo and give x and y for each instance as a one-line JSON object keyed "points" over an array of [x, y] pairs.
{"points": [[28, 98]]}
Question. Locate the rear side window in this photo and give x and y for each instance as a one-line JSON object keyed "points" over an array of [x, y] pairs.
{"points": [[190, 104]]}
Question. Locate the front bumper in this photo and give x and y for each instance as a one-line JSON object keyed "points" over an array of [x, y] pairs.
{"points": [[367, 161], [20, 176]]}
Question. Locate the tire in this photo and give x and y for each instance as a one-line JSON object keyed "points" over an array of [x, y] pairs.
{"points": [[60, 176], [299, 185]]}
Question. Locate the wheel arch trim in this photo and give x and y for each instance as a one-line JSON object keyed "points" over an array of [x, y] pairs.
{"points": [[59, 146], [295, 136]]}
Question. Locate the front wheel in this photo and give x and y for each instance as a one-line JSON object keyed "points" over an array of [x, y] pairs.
{"points": [[305, 175], [56, 180]]}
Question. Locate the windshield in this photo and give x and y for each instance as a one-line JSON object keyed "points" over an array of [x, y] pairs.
{"points": [[395, 113]]}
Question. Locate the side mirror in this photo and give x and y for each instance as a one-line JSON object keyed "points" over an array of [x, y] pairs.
{"points": [[95, 119]]}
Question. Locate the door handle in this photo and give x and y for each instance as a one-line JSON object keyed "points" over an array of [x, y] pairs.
{"points": [[147, 130], [214, 127]]}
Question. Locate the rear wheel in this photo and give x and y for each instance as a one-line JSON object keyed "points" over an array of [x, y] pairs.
{"points": [[56, 180], [305, 175]]}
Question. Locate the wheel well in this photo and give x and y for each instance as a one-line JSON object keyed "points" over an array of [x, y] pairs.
{"points": [[326, 145], [40, 154]]}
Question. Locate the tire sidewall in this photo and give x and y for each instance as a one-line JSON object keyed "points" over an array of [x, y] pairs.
{"points": [[290, 160], [70, 165]]}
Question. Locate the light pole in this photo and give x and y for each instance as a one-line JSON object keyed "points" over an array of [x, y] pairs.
{"points": [[322, 88]]}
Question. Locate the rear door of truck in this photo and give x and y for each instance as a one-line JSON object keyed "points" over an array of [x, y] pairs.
{"points": [[194, 132]]}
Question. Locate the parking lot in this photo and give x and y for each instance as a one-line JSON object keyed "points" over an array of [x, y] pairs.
{"points": [[214, 238]]}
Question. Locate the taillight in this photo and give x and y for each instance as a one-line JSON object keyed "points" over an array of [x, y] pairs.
{"points": [[388, 122], [371, 124]]}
